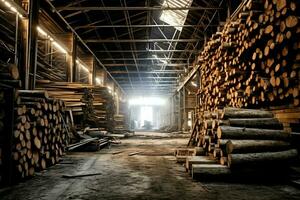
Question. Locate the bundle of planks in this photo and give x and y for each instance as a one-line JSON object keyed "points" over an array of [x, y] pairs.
{"points": [[120, 124], [242, 139], [40, 134], [73, 96], [255, 60]]}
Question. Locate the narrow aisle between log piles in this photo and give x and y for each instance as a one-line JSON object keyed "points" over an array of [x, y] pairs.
{"points": [[142, 167]]}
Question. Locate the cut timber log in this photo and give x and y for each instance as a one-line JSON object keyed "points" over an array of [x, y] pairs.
{"points": [[33, 93], [198, 160], [248, 159], [264, 123], [206, 171], [255, 146], [229, 132], [245, 113]]}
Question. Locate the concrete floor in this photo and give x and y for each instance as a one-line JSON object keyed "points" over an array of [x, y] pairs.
{"points": [[151, 174]]}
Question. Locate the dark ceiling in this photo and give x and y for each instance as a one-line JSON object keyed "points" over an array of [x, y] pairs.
{"points": [[142, 53]]}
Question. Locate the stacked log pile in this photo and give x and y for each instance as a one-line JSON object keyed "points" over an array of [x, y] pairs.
{"points": [[72, 94], [255, 60], [40, 134], [242, 139]]}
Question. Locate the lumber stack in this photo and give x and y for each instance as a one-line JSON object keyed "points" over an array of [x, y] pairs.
{"points": [[243, 139], [80, 98], [40, 133], [255, 60], [182, 154], [120, 124]]}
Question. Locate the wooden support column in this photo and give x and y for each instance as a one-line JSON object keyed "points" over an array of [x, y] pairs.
{"points": [[94, 71], [88, 61], [31, 50], [117, 100], [180, 111], [198, 103], [71, 57], [75, 70], [184, 110]]}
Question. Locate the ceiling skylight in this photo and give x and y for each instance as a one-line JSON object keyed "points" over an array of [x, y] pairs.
{"points": [[175, 18]]}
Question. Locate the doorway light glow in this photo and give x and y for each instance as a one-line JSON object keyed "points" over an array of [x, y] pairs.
{"points": [[147, 101]]}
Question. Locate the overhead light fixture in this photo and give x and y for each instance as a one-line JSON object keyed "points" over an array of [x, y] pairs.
{"points": [[60, 48], [82, 66], [55, 44], [12, 8], [41, 31], [98, 81]]}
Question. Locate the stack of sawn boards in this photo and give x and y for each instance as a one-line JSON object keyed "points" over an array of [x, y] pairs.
{"points": [[72, 94]]}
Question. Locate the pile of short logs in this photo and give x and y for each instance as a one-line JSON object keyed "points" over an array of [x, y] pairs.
{"points": [[40, 134], [255, 60], [239, 139]]}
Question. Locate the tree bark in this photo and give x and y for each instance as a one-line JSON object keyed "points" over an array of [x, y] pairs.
{"points": [[264, 123], [255, 146], [237, 160], [229, 132]]}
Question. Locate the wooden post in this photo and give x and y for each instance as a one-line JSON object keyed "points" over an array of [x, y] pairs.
{"points": [[94, 71], [74, 70], [71, 58], [31, 51], [180, 111], [185, 117]]}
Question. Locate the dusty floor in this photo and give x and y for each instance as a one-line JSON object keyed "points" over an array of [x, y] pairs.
{"points": [[151, 174]]}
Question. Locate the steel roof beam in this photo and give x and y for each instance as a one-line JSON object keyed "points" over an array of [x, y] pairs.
{"points": [[132, 78], [147, 72], [146, 65], [139, 40], [147, 51], [121, 8], [140, 26], [121, 59]]}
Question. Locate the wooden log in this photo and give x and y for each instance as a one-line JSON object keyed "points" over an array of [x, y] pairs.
{"points": [[207, 171], [245, 113], [198, 160], [265, 158], [229, 132], [33, 93], [256, 146], [264, 123], [12, 70], [291, 21], [37, 142]]}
